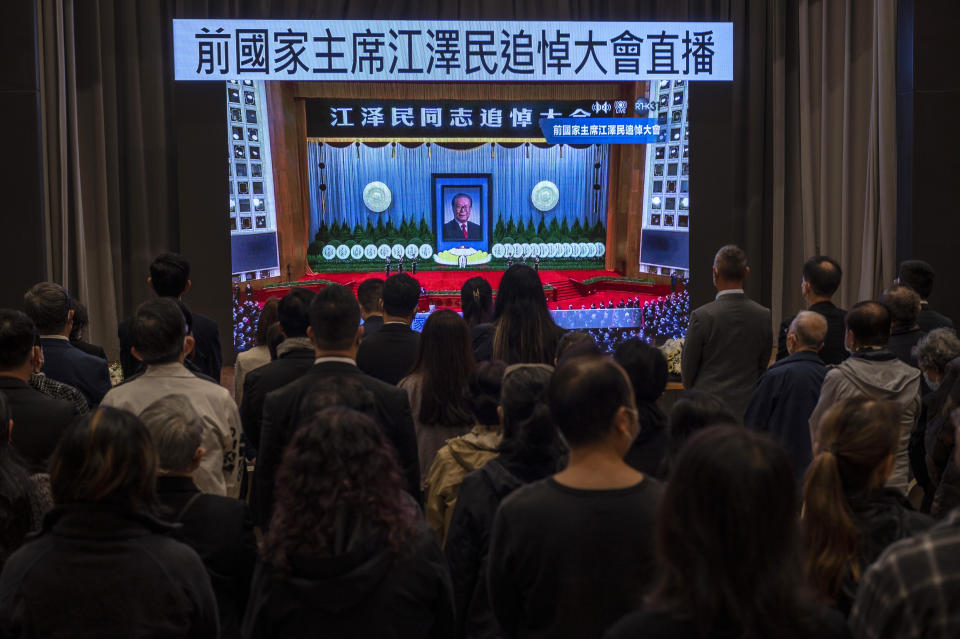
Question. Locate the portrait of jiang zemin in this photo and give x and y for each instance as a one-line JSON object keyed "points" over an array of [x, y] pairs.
{"points": [[462, 204]]}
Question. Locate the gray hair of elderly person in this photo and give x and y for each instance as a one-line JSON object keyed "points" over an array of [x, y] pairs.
{"points": [[177, 432], [936, 349], [810, 329]]}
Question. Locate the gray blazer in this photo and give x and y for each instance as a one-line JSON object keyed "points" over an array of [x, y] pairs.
{"points": [[728, 346]]}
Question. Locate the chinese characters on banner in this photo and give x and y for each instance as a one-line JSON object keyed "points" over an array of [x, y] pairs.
{"points": [[466, 51]]}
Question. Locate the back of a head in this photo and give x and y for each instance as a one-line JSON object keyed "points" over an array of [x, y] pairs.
{"points": [[485, 384], [334, 318], [810, 328], [823, 275], [106, 456], [157, 331], [401, 295], [585, 395], [528, 427], [526, 332], [727, 535], [369, 293], [476, 301], [731, 263], [918, 275], [80, 320], [575, 344], [903, 304], [937, 348], [169, 274], [444, 361], [48, 305], [646, 367], [856, 439], [275, 337], [293, 312], [870, 323], [695, 410], [176, 430], [18, 335], [268, 316], [330, 392]]}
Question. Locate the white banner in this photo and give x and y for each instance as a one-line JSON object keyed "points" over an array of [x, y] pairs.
{"points": [[452, 51]]}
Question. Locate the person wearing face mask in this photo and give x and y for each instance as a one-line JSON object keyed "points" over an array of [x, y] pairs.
{"points": [[572, 553]]}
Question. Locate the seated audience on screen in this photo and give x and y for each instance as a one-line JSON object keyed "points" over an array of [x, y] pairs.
{"points": [[347, 554], [874, 372], [50, 308], [170, 277], [104, 565], [529, 451], [693, 411], [849, 517], [389, 354], [80, 321], [257, 355], [903, 304], [728, 548], [40, 419], [646, 367], [465, 454], [821, 280], [787, 392], [571, 554], [919, 275], [158, 338], [437, 384], [369, 294]]}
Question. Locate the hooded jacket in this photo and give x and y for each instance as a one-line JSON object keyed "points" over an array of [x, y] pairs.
{"points": [[877, 375]]}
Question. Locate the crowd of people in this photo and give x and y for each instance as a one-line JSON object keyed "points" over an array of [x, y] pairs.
{"points": [[491, 476]]}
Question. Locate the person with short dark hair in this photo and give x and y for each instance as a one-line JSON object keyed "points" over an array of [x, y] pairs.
{"points": [[873, 371], [821, 280], [389, 355], [218, 528], [788, 391], [80, 321], [571, 554], [575, 344], [730, 341], [335, 332], [257, 355], [40, 419], [692, 412], [369, 294], [50, 308], [903, 304], [347, 554], [728, 543], [646, 367], [104, 565], [170, 277], [159, 339], [919, 275], [294, 358]]}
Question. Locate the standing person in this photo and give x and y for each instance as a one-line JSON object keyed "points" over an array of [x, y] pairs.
{"points": [[821, 279], [728, 544], [529, 451], [104, 565], [391, 352], [80, 322], [545, 577], [347, 554], [17, 491], [849, 517], [158, 338], [476, 302], [729, 342], [788, 392], [933, 445], [647, 369], [50, 308], [692, 412], [873, 371], [369, 294], [903, 304], [919, 275], [259, 354], [437, 385], [170, 277]]}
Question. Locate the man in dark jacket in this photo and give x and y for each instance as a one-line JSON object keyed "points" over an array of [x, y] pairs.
{"points": [[788, 392], [294, 358], [903, 304], [218, 528], [170, 277], [918, 275], [335, 332], [821, 279], [390, 354], [370, 294]]}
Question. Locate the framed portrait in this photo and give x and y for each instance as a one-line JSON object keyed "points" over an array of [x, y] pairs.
{"points": [[461, 203]]}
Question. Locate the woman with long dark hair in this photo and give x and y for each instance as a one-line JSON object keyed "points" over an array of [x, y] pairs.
{"points": [[476, 301], [849, 517], [347, 554], [103, 565], [728, 543], [437, 385]]}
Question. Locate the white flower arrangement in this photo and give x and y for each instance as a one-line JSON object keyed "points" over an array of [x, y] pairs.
{"points": [[452, 257], [673, 350]]}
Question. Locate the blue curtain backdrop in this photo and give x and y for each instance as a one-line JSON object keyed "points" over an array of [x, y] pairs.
{"points": [[513, 175]]}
